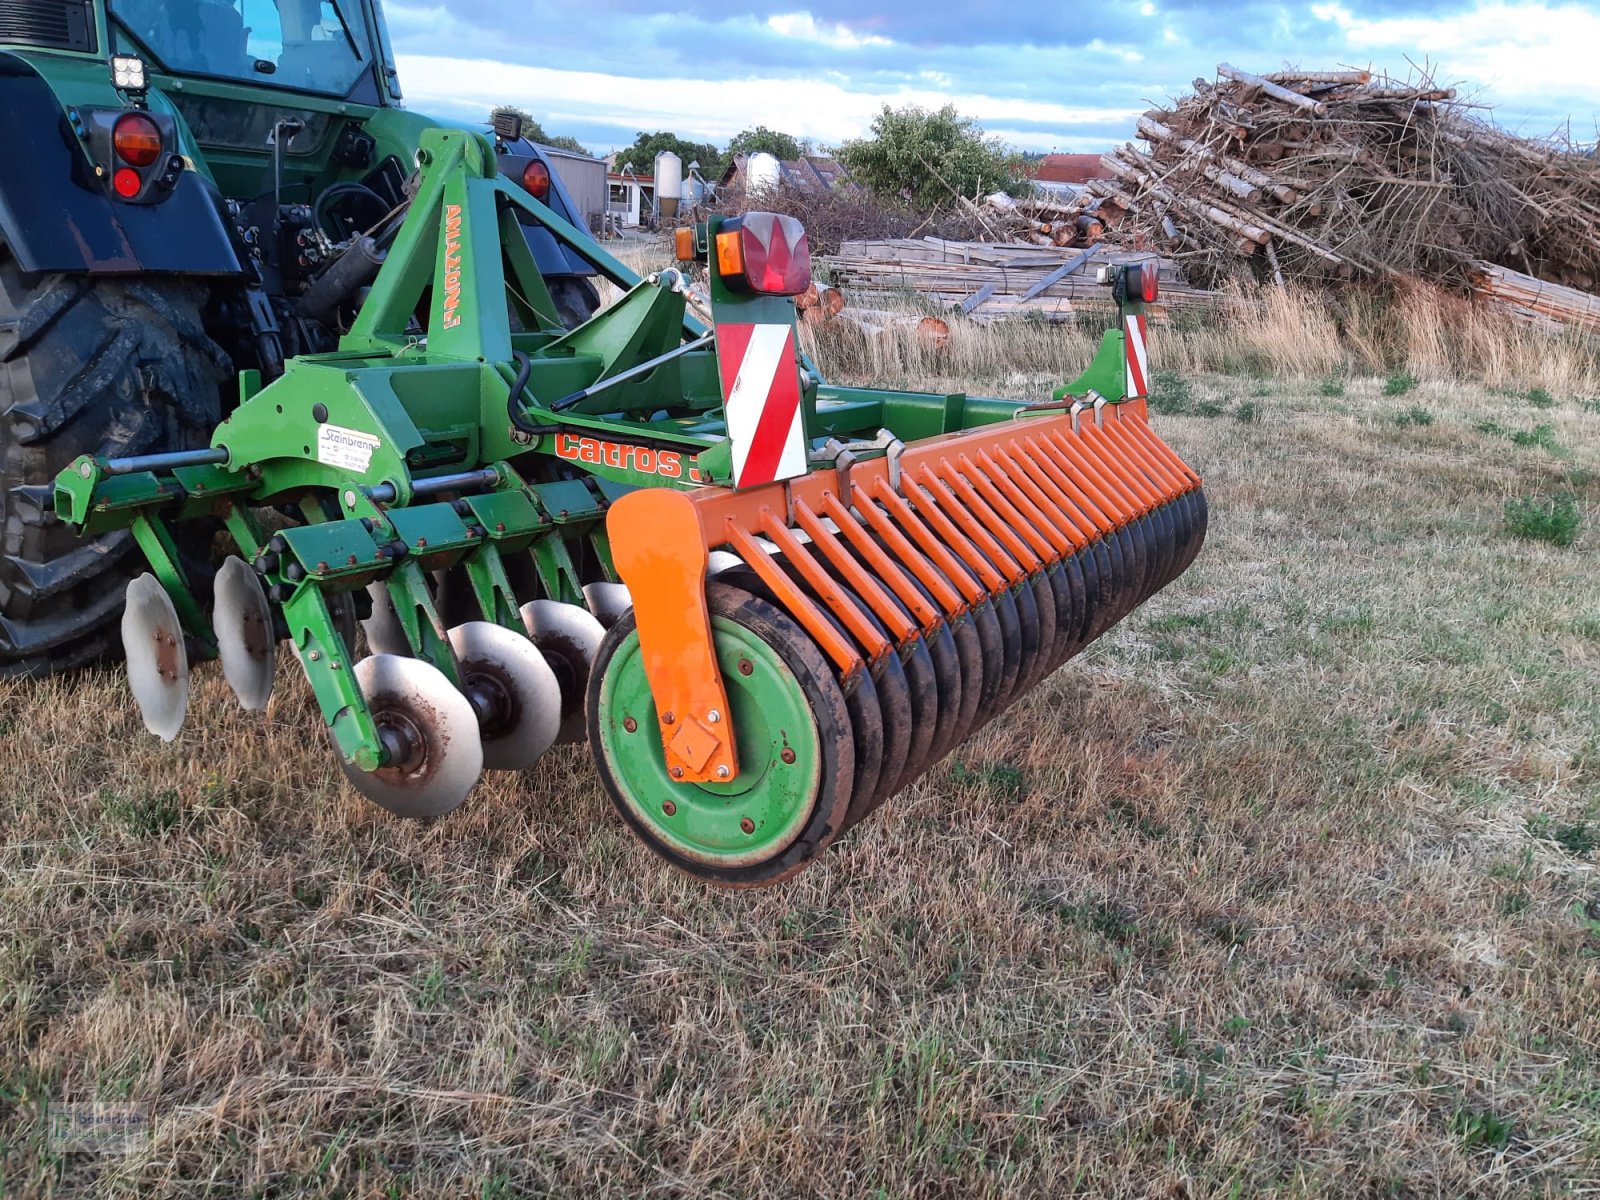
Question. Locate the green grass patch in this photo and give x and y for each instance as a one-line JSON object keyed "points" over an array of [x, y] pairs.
{"points": [[1543, 436], [1415, 415], [149, 815], [1539, 398], [1399, 385], [1555, 520], [1331, 385], [1171, 394], [1577, 838]]}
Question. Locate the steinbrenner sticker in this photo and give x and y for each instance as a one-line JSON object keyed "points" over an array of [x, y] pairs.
{"points": [[347, 449]]}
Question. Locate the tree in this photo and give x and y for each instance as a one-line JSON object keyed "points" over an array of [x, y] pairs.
{"points": [[930, 158], [761, 139], [642, 154], [565, 141]]}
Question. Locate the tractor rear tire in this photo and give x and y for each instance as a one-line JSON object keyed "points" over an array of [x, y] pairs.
{"points": [[88, 365], [575, 298]]}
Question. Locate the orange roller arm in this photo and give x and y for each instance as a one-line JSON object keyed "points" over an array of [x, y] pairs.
{"points": [[660, 551]]}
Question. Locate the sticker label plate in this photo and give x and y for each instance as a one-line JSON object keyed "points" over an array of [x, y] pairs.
{"points": [[347, 449]]}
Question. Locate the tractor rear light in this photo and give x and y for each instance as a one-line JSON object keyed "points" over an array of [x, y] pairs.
{"points": [[1149, 284], [126, 182], [536, 179], [764, 252], [136, 140]]}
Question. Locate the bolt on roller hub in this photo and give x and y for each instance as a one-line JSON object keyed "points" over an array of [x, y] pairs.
{"points": [[794, 741]]}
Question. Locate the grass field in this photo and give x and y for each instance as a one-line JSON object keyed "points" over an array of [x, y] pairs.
{"points": [[1286, 887]]}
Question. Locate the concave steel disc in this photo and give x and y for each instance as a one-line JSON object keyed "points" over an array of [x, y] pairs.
{"points": [[430, 732], [607, 601], [385, 634], [569, 636], [719, 561], [158, 661], [243, 624], [514, 692]]}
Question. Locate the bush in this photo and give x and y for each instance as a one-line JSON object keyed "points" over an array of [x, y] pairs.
{"points": [[1555, 520], [931, 159]]}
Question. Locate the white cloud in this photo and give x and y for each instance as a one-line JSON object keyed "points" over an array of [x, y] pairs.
{"points": [[804, 26], [1519, 51], [1126, 53], [715, 109]]}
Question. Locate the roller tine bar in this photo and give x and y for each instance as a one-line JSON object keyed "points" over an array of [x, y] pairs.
{"points": [[842, 606], [863, 584], [800, 606], [954, 573], [879, 560], [969, 510]]}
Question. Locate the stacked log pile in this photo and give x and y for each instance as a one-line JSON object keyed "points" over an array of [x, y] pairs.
{"points": [[1325, 176], [987, 281]]}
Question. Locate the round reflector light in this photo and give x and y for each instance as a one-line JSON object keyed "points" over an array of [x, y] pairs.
{"points": [[136, 140], [126, 182], [536, 179]]}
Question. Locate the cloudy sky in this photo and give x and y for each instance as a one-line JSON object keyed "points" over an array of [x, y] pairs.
{"points": [[1043, 74]]}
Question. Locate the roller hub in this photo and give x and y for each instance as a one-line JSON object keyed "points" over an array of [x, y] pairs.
{"points": [[795, 749]]}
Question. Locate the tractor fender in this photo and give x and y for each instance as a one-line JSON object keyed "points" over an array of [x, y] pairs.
{"points": [[55, 214], [552, 258]]}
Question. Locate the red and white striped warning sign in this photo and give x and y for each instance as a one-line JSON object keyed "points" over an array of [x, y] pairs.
{"points": [[1138, 384], [761, 389]]}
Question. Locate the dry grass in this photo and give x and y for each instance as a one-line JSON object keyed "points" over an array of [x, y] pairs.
{"points": [[1269, 332], [1287, 887]]}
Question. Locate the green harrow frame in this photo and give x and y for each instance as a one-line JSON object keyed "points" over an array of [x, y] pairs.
{"points": [[768, 602]]}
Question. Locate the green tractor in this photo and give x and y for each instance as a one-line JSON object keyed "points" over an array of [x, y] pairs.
{"points": [[194, 189]]}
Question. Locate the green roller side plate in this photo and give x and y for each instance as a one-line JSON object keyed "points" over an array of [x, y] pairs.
{"points": [[770, 715]]}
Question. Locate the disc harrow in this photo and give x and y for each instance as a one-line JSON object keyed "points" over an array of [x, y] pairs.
{"points": [[766, 602]]}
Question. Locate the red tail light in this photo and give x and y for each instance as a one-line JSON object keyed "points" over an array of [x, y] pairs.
{"points": [[536, 179], [764, 252], [127, 183], [1149, 285], [136, 140]]}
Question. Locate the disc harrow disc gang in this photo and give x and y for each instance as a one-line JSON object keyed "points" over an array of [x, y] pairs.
{"points": [[569, 637], [952, 579]]}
